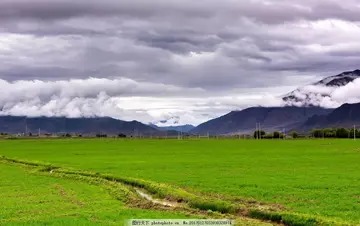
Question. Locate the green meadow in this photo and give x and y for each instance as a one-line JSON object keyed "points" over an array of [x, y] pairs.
{"points": [[74, 181]]}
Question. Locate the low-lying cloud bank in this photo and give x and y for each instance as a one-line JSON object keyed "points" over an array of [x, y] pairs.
{"points": [[160, 104], [327, 96], [120, 98]]}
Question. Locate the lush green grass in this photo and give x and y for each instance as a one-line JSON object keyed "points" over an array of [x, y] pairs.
{"points": [[40, 200], [319, 178]]}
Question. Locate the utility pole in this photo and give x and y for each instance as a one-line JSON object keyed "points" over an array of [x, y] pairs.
{"points": [[354, 132], [260, 131], [256, 131]]}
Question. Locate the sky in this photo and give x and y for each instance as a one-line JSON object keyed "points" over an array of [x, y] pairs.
{"points": [[183, 61]]}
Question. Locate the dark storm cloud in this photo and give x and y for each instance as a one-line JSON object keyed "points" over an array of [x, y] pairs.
{"points": [[183, 42], [219, 47], [264, 11], [64, 9]]}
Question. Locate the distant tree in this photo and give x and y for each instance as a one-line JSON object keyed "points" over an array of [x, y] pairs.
{"points": [[294, 134], [357, 133], [329, 132], [101, 135], [67, 135], [121, 135], [317, 133], [342, 133], [259, 134], [268, 136], [276, 135]]}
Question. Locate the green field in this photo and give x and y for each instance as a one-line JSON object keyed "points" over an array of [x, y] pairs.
{"points": [[298, 182]]}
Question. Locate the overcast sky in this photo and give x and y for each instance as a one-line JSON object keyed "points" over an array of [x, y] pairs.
{"points": [[159, 59]]}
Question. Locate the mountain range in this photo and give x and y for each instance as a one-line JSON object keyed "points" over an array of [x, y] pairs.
{"points": [[322, 91], [289, 118], [346, 115], [181, 128], [302, 111], [103, 125], [270, 119]]}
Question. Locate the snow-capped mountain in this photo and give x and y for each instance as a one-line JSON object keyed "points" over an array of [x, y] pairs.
{"points": [[341, 79], [305, 108], [167, 121], [173, 123], [328, 92], [179, 128]]}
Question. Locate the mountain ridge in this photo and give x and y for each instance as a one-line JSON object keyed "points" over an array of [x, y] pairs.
{"points": [[347, 115], [179, 128], [311, 95], [20, 124], [270, 118], [301, 110]]}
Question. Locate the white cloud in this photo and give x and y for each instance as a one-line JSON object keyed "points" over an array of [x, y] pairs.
{"points": [[167, 58], [327, 96], [123, 99]]}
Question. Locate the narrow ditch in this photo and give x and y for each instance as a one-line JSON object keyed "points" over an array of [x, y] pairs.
{"points": [[202, 206], [133, 186], [150, 198]]}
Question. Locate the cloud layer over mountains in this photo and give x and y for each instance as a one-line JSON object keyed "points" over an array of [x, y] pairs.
{"points": [[327, 96], [153, 60], [119, 98]]}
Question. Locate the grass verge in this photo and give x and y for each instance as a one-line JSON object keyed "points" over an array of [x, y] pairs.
{"points": [[122, 189]]}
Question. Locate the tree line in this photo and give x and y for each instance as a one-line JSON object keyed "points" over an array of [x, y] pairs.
{"points": [[261, 134], [335, 133], [315, 133]]}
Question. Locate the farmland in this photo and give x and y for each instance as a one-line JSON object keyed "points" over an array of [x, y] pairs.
{"points": [[296, 181]]}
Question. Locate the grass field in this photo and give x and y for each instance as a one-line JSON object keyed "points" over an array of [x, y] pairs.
{"points": [[311, 181]]}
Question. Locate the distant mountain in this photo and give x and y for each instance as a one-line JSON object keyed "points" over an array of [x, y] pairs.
{"points": [[302, 111], [168, 121], [14, 124], [346, 115], [314, 94], [270, 118], [340, 79], [181, 128]]}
